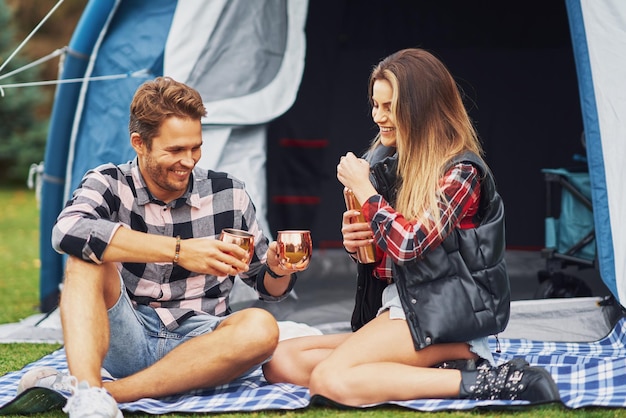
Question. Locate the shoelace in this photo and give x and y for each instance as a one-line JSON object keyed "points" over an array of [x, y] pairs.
{"points": [[62, 382]]}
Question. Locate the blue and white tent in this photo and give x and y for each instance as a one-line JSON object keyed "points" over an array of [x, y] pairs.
{"points": [[598, 31]]}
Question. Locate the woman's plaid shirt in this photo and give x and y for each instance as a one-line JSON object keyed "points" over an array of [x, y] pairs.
{"points": [[399, 240]]}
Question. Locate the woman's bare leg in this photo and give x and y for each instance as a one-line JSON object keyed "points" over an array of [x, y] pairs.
{"points": [[294, 359], [379, 363]]}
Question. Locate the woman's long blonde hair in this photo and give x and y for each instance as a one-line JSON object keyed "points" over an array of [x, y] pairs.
{"points": [[432, 126]]}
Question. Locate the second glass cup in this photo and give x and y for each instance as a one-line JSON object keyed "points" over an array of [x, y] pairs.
{"points": [[294, 249]]}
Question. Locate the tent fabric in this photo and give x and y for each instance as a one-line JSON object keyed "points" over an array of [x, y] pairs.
{"points": [[246, 60], [599, 41], [586, 373], [101, 125], [95, 17], [248, 73]]}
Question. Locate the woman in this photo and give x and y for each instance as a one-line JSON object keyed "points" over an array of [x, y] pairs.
{"points": [[438, 225]]}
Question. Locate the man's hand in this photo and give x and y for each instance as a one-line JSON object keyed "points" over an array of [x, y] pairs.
{"points": [[276, 287], [200, 255], [273, 261], [212, 256]]}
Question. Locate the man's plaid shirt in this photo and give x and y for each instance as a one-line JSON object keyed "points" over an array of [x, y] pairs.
{"points": [[110, 197]]}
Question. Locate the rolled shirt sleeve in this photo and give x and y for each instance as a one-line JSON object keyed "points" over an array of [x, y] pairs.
{"points": [[86, 225]]}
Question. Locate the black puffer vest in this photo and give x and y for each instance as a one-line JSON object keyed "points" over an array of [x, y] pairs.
{"points": [[460, 290]]}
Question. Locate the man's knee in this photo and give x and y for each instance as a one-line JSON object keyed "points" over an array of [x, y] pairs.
{"points": [[256, 326], [76, 267], [104, 278]]}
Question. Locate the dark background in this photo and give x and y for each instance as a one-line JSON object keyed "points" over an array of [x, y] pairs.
{"points": [[513, 61]]}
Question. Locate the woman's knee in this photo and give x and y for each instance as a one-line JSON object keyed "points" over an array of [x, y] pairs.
{"points": [[284, 365], [326, 380], [276, 370]]}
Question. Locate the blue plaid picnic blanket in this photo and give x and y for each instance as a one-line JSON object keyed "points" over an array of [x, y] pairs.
{"points": [[586, 373]]}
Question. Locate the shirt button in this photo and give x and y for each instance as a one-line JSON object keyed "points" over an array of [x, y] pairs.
{"points": [[413, 301]]}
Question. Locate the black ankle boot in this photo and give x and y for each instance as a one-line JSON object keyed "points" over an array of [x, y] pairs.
{"points": [[513, 380]]}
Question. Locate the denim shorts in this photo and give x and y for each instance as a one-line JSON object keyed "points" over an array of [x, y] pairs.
{"points": [[139, 338], [391, 302]]}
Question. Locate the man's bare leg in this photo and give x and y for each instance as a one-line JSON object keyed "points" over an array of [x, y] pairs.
{"points": [[88, 291], [240, 342]]}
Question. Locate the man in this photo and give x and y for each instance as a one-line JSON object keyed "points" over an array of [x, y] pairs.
{"points": [[147, 282]]}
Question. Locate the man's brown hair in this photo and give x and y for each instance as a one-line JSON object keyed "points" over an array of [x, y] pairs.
{"points": [[161, 98]]}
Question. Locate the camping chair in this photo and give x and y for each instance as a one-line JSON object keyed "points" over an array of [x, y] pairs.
{"points": [[570, 237]]}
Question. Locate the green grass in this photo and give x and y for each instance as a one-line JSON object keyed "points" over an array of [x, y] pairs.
{"points": [[19, 255], [19, 298]]}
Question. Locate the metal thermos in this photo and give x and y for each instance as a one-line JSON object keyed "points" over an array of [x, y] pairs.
{"points": [[365, 254]]}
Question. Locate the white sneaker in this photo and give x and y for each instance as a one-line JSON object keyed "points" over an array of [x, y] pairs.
{"points": [[83, 402], [91, 402], [51, 378], [46, 377]]}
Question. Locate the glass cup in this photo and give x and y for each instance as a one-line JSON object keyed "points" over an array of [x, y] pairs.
{"points": [[294, 249], [243, 239]]}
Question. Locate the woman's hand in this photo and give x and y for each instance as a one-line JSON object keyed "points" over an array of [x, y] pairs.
{"points": [[352, 170], [354, 173], [356, 232]]}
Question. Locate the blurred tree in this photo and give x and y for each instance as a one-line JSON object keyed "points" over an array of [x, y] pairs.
{"points": [[23, 133], [54, 34]]}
